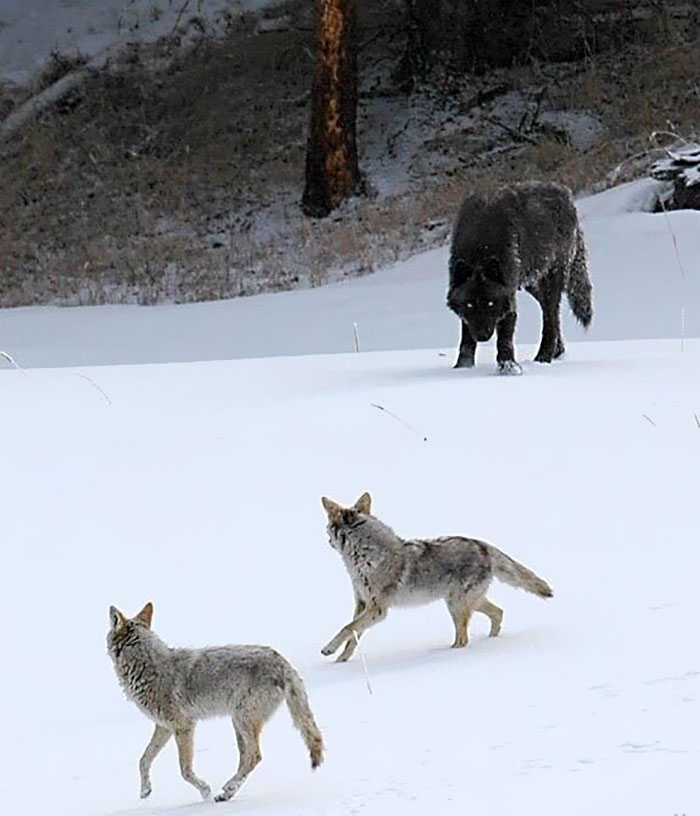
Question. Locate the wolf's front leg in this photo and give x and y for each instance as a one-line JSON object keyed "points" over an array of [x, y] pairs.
{"points": [[467, 349], [371, 615], [184, 736], [505, 351], [160, 736]]}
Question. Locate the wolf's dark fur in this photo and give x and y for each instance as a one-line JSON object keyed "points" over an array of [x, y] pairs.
{"points": [[527, 236]]}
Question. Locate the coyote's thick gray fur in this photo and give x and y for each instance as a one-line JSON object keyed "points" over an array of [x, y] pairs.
{"points": [[386, 570], [177, 687]]}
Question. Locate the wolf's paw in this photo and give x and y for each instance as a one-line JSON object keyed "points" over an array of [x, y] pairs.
{"points": [[546, 355], [223, 796], [205, 792], [328, 649], [146, 791], [509, 368], [343, 658], [464, 362]]}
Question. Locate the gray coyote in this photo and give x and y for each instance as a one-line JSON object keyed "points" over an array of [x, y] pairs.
{"points": [[387, 570], [177, 687]]}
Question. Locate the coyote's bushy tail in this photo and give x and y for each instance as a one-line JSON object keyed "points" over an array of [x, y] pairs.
{"points": [[510, 572], [579, 289], [302, 717]]}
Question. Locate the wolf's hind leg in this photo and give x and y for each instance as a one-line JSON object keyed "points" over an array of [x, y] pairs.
{"points": [[461, 612], [548, 292], [184, 736], [372, 614], [494, 613], [161, 735], [249, 755]]}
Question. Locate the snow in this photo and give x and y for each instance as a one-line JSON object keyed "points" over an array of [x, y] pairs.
{"points": [[31, 29], [639, 293], [197, 486]]}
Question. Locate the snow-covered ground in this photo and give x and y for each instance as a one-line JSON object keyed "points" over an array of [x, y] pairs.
{"points": [[30, 30], [197, 486], [640, 292]]}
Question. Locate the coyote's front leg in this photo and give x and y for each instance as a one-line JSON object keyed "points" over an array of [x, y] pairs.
{"points": [[372, 614], [160, 736], [184, 737], [350, 644]]}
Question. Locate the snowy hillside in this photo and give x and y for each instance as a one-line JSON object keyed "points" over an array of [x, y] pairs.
{"points": [[30, 30], [197, 486], [640, 292]]}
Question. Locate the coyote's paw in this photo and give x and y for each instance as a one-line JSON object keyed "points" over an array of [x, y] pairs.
{"points": [[205, 792], [509, 368], [146, 791], [328, 649], [223, 796]]}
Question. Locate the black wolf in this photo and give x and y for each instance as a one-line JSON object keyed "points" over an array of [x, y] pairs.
{"points": [[527, 236]]}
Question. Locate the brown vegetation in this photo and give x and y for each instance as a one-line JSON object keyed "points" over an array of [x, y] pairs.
{"points": [[177, 176]]}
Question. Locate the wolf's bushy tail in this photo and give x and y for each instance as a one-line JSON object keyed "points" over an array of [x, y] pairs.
{"points": [[509, 571], [579, 288], [302, 717]]}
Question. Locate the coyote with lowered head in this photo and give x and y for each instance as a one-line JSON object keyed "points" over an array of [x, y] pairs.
{"points": [[177, 687], [386, 570]]}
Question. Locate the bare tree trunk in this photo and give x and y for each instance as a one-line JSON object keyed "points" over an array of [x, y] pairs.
{"points": [[332, 172]]}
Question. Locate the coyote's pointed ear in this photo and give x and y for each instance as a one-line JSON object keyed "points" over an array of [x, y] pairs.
{"points": [[145, 616], [364, 504], [333, 509], [116, 619]]}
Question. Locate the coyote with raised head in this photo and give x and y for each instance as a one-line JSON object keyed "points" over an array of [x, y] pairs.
{"points": [[177, 687], [387, 570]]}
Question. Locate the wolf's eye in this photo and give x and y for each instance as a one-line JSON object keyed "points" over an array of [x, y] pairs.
{"points": [[470, 305], [490, 303]]}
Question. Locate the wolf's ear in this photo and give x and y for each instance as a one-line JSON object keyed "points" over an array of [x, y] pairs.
{"points": [[145, 616], [333, 509], [364, 504], [116, 619], [459, 271]]}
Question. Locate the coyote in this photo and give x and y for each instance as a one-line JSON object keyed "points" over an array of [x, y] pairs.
{"points": [[177, 687], [386, 570], [527, 236]]}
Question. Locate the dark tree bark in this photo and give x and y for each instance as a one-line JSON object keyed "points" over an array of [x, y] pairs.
{"points": [[332, 171]]}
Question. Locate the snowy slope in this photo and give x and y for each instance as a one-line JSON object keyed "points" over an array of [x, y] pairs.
{"points": [[197, 486], [639, 293], [31, 29]]}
